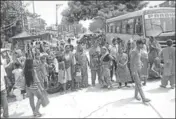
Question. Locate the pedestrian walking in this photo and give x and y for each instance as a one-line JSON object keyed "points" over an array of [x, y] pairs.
{"points": [[33, 84], [168, 56], [136, 66]]}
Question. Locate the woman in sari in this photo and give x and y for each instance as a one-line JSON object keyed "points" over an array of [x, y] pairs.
{"points": [[122, 69]]}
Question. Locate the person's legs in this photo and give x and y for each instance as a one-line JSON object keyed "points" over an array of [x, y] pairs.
{"points": [[4, 104], [108, 79], [136, 93], [37, 93], [172, 81], [145, 81], [31, 100], [93, 77], [111, 72], [64, 87], [164, 81], [99, 76], [138, 88]]}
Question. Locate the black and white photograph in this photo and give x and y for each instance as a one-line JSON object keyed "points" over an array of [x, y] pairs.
{"points": [[87, 59]]}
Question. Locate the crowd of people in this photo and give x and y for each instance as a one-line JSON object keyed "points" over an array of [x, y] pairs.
{"points": [[37, 68]]}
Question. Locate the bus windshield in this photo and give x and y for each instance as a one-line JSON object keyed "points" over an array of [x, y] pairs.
{"points": [[159, 23]]}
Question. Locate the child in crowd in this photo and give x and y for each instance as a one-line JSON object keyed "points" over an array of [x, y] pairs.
{"points": [[61, 72], [78, 76], [19, 79], [156, 69]]}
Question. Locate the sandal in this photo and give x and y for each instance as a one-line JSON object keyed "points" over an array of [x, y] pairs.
{"points": [[37, 114]]}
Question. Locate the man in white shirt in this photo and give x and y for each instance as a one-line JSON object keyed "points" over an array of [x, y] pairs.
{"points": [[4, 101]]}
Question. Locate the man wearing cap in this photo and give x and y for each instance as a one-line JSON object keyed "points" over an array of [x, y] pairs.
{"points": [[168, 56]]}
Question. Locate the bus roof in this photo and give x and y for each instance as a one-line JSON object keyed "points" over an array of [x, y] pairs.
{"points": [[135, 14]]}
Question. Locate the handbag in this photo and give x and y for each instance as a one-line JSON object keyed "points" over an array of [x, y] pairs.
{"points": [[45, 100]]}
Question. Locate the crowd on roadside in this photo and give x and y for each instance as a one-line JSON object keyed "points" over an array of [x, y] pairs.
{"points": [[37, 68]]}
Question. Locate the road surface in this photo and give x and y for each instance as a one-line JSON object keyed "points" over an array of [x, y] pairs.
{"points": [[103, 103]]}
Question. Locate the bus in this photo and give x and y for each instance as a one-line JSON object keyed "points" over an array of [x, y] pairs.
{"points": [[156, 22]]}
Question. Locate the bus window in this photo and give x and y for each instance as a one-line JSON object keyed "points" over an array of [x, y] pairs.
{"points": [[130, 26], [138, 26], [118, 27], [124, 23], [107, 30], [109, 27]]}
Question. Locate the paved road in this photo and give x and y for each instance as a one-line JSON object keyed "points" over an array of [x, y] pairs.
{"points": [[99, 103]]}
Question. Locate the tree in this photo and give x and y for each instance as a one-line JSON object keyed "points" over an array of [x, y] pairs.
{"points": [[97, 24], [11, 17], [82, 10]]}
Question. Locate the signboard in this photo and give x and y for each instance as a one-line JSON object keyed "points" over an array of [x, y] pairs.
{"points": [[160, 15]]}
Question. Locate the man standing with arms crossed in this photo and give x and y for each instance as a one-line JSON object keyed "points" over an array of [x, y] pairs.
{"points": [[136, 66]]}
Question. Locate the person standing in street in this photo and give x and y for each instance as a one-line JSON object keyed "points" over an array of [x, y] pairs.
{"points": [[122, 69], [168, 56], [4, 101], [94, 54], [69, 61], [136, 66], [113, 52], [106, 59], [145, 62], [82, 60]]}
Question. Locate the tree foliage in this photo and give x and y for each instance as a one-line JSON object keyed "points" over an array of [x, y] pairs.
{"points": [[13, 14], [82, 10], [98, 24]]}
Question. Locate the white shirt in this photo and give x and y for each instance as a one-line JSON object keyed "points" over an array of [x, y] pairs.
{"points": [[3, 74], [113, 50], [56, 65]]}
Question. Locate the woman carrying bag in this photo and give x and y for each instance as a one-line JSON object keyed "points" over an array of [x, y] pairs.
{"points": [[34, 87]]}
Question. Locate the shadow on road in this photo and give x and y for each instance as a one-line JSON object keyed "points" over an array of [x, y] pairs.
{"points": [[124, 102], [159, 90], [19, 115]]}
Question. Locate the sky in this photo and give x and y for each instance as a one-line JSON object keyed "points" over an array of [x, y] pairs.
{"points": [[47, 10]]}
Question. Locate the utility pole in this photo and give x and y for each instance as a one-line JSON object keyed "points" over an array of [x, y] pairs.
{"points": [[57, 7], [33, 7]]}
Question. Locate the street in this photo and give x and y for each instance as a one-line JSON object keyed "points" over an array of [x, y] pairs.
{"points": [[94, 102]]}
